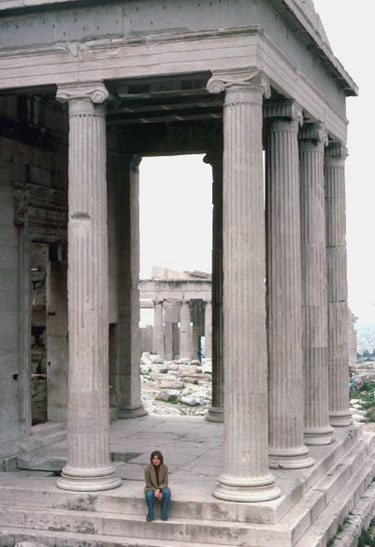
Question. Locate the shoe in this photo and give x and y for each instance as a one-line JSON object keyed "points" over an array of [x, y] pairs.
{"points": [[164, 518], [149, 519]]}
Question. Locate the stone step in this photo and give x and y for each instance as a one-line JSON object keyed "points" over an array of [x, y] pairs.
{"points": [[121, 512], [50, 434], [9, 536], [112, 524], [128, 499], [48, 427], [355, 467], [339, 507], [35, 462], [360, 517]]}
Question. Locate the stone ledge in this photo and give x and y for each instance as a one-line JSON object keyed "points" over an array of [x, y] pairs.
{"points": [[10, 536], [327, 523]]}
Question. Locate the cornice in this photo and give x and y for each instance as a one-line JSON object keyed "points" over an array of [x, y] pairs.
{"points": [[291, 11], [297, 18]]}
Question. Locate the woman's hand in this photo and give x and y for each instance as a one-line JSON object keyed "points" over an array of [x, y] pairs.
{"points": [[158, 494]]}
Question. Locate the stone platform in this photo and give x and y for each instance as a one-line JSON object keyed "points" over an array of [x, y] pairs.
{"points": [[314, 502]]}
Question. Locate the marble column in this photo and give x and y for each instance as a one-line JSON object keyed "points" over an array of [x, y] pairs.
{"points": [[338, 351], [246, 476], [127, 220], [318, 431], [287, 448], [168, 331], [208, 330], [196, 320], [158, 330], [89, 467], [185, 331], [215, 159]]}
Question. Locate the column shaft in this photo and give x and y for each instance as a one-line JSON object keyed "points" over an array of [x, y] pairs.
{"points": [[215, 412], [338, 350], [246, 476], [127, 216], [208, 330], [89, 466], [185, 331], [314, 305], [158, 331], [196, 328], [168, 331], [287, 448]]}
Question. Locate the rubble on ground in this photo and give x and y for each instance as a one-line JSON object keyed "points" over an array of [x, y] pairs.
{"points": [[176, 387]]}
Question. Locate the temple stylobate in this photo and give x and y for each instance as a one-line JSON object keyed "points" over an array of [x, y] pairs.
{"points": [[86, 90]]}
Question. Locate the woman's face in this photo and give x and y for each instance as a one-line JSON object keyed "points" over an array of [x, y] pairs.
{"points": [[156, 460]]}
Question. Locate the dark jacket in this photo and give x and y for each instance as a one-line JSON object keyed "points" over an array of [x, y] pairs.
{"points": [[150, 477]]}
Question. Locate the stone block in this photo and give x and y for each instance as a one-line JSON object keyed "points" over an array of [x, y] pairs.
{"points": [[9, 463]]}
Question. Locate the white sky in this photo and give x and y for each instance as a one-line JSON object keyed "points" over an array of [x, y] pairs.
{"points": [[349, 26], [175, 214], [175, 193]]}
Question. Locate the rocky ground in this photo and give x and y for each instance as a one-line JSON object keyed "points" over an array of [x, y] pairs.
{"points": [[176, 387]]}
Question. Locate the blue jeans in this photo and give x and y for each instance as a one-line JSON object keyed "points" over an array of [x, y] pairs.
{"points": [[150, 498]]}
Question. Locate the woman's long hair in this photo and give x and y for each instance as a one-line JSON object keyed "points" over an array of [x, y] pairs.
{"points": [[158, 454]]}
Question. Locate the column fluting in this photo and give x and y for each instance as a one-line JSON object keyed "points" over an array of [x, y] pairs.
{"points": [[158, 330], [338, 349], [89, 467], [185, 331], [246, 476], [317, 431], [287, 448]]}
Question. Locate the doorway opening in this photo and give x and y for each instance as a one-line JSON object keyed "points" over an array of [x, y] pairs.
{"points": [[175, 274]]}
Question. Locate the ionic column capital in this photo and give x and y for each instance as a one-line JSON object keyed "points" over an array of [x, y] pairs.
{"points": [[96, 92], [237, 82], [314, 133], [285, 109], [336, 153]]}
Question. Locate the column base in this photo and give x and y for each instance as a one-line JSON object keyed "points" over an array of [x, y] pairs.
{"points": [[129, 412], [290, 459], [320, 436], [243, 490], [341, 418], [79, 483], [215, 414]]}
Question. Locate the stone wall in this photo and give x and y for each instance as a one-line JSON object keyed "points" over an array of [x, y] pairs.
{"points": [[32, 163]]}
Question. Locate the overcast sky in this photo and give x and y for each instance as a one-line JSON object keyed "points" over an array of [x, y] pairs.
{"points": [[176, 192]]}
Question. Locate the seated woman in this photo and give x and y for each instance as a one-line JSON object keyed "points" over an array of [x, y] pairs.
{"points": [[156, 477]]}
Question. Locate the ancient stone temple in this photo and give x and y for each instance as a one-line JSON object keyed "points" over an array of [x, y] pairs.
{"points": [[182, 313], [86, 90]]}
